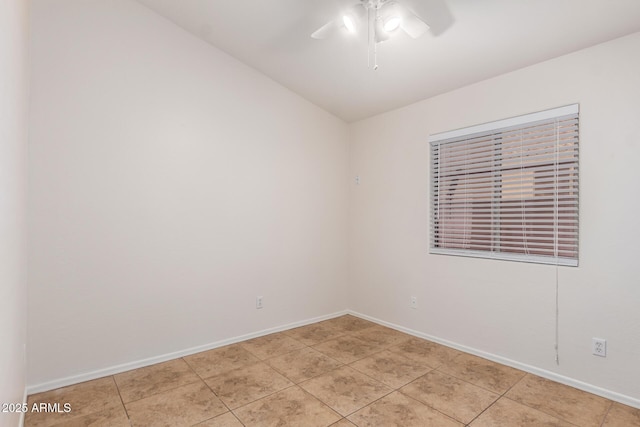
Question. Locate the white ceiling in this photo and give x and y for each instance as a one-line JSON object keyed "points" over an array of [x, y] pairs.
{"points": [[486, 38]]}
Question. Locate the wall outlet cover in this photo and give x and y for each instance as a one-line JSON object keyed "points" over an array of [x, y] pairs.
{"points": [[599, 347]]}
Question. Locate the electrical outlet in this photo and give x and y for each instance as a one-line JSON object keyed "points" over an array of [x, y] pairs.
{"points": [[357, 179], [258, 302], [599, 347], [414, 302]]}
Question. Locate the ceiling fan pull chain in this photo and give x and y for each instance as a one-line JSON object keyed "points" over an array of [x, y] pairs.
{"points": [[368, 38], [375, 43]]}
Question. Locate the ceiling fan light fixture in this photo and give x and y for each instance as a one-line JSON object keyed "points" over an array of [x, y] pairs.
{"points": [[380, 19], [349, 22], [392, 23]]}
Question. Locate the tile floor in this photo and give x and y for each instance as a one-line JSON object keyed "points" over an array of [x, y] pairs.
{"points": [[341, 372]]}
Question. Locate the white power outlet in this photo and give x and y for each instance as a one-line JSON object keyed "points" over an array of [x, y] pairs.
{"points": [[258, 302], [414, 302], [599, 347]]}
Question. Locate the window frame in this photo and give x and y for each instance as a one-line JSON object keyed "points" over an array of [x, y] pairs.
{"points": [[500, 127]]}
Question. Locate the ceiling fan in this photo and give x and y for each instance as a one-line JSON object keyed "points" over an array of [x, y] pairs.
{"points": [[388, 16], [381, 19]]}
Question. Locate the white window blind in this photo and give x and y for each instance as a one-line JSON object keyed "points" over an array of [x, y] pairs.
{"points": [[508, 189]]}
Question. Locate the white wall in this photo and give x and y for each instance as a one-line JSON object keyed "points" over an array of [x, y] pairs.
{"points": [[14, 32], [506, 308], [170, 185]]}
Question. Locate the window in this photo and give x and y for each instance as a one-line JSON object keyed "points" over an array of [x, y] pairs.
{"points": [[508, 189]]}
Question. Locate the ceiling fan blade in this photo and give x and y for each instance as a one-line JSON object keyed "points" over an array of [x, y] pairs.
{"points": [[325, 31], [355, 10], [436, 12], [413, 25]]}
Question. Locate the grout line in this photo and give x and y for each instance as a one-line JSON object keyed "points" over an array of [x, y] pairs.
{"points": [[484, 410], [214, 393], [500, 396], [189, 366], [541, 411], [606, 414], [431, 407], [321, 401], [504, 396], [371, 403], [236, 417], [425, 403], [174, 387], [514, 384], [474, 384], [264, 397], [121, 399]]}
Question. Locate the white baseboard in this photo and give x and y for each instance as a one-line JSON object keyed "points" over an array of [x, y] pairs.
{"points": [[92, 375], [612, 395]]}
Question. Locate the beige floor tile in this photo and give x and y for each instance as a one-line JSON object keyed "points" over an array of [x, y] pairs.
{"points": [[348, 323], [451, 396], [382, 336], [622, 416], [315, 333], [426, 352], [224, 420], [290, 407], [85, 398], [507, 413], [561, 401], [183, 406], [345, 390], [482, 372], [347, 349], [400, 411], [303, 364], [393, 369], [144, 382], [271, 345], [241, 386], [219, 360], [114, 417]]}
